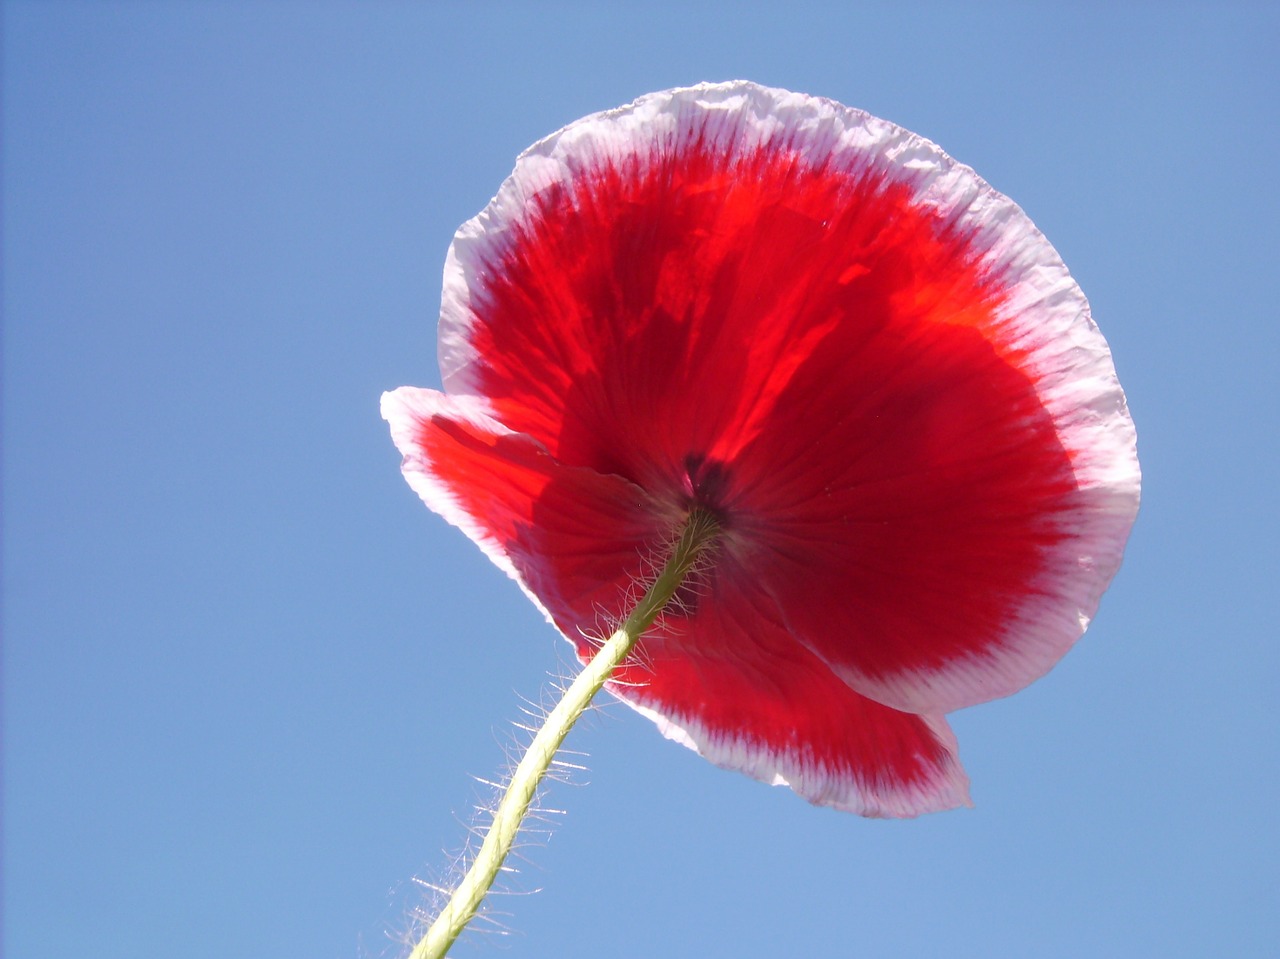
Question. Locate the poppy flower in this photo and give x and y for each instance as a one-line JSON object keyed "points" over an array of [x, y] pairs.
{"points": [[863, 362]]}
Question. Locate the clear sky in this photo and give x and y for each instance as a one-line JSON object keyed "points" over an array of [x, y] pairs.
{"points": [[248, 676]]}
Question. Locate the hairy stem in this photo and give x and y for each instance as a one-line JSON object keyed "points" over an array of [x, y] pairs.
{"points": [[699, 532]]}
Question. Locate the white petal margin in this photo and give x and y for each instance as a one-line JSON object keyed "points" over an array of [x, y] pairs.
{"points": [[815, 782], [405, 409], [1045, 314], [1048, 316]]}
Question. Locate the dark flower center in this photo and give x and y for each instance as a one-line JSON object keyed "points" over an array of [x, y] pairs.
{"points": [[706, 482]]}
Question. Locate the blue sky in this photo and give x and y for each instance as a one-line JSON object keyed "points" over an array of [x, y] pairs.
{"points": [[247, 676]]}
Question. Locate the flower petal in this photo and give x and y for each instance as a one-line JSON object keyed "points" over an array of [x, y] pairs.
{"points": [[719, 673], [976, 537], [558, 531], [732, 684], [914, 420]]}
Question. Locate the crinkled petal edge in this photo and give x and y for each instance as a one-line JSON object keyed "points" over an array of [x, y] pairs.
{"points": [[816, 784]]}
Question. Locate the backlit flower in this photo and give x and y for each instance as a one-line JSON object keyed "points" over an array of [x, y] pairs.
{"points": [[869, 366]]}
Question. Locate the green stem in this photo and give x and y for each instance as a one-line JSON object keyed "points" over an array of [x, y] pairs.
{"points": [[699, 532]]}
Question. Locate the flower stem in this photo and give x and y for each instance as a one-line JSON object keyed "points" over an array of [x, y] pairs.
{"points": [[698, 533]]}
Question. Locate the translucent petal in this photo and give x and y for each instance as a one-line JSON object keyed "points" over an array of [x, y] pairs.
{"points": [[719, 673], [914, 426]]}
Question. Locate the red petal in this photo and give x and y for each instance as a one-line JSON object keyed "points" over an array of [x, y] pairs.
{"points": [[560, 532], [732, 684], [918, 434], [921, 532], [721, 675]]}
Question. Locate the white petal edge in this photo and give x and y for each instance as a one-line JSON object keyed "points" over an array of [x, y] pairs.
{"points": [[403, 409], [817, 784]]}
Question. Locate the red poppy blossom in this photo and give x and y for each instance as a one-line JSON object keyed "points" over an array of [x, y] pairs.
{"points": [[865, 363]]}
